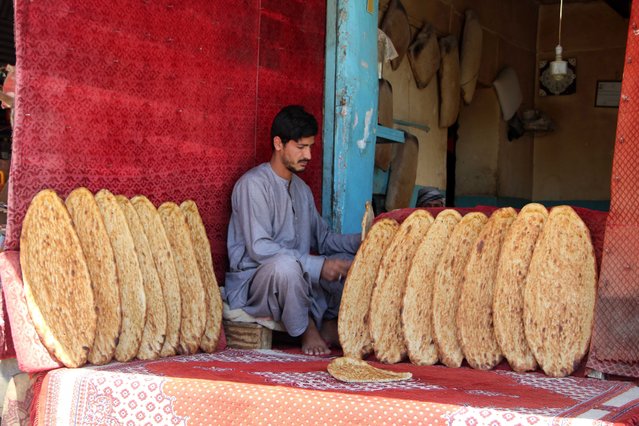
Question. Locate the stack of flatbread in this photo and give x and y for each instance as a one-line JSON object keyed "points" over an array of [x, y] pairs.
{"points": [[515, 286], [107, 277]]}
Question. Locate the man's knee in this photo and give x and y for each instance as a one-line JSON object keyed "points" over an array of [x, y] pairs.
{"points": [[284, 270]]}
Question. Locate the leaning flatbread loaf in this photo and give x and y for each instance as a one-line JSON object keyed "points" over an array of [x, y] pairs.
{"points": [[212, 295], [508, 301], [559, 298], [448, 285], [386, 304], [132, 297], [57, 285], [475, 313], [354, 335], [163, 257], [89, 225], [355, 370], [191, 288], [417, 311], [155, 325]]}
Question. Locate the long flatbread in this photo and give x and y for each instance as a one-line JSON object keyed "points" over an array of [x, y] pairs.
{"points": [[204, 259], [448, 286], [385, 312], [508, 301], [89, 225], [155, 325], [352, 326], [417, 308], [559, 298], [165, 265], [353, 370], [475, 313], [57, 285], [191, 288], [132, 298]]}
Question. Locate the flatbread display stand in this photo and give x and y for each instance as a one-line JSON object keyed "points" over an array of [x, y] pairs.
{"points": [[165, 265], [155, 324], [417, 311], [191, 288], [559, 299], [475, 312], [470, 55], [132, 296], [354, 335], [396, 26], [384, 151], [403, 173], [449, 81], [100, 259], [424, 56], [204, 260], [57, 284], [508, 300], [386, 304]]}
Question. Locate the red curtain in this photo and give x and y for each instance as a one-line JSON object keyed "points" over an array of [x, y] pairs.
{"points": [[169, 99], [615, 342]]}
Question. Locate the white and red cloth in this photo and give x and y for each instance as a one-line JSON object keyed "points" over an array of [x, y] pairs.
{"points": [[284, 387]]}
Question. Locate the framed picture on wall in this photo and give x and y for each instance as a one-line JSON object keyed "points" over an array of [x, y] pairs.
{"points": [[608, 93]]}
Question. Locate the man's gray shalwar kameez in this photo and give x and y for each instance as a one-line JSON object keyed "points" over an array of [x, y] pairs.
{"points": [[274, 227]]}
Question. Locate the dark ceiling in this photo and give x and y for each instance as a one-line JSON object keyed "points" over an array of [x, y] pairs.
{"points": [[622, 7], [7, 48]]}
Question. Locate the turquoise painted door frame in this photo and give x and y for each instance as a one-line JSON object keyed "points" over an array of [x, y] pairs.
{"points": [[350, 111]]}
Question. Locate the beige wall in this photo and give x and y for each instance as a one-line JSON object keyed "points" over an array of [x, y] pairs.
{"points": [[575, 161], [487, 164]]}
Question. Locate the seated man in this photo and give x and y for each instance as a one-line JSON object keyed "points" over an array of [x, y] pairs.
{"points": [[274, 227]]}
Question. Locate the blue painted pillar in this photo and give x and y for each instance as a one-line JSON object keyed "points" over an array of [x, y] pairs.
{"points": [[350, 115]]}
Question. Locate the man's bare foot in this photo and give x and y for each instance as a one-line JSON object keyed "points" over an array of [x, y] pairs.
{"points": [[312, 341], [329, 332]]}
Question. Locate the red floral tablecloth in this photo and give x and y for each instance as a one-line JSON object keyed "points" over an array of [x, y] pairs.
{"points": [[282, 387]]}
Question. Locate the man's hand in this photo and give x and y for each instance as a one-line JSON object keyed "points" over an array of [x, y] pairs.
{"points": [[335, 269]]}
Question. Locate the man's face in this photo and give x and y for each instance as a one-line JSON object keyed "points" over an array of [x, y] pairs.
{"points": [[296, 154]]}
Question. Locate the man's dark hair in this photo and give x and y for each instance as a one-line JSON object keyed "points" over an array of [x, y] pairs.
{"points": [[293, 123]]}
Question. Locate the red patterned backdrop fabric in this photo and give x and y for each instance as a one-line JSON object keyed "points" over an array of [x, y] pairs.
{"points": [[615, 343], [171, 99]]}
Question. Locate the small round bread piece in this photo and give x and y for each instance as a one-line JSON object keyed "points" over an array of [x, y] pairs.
{"points": [[353, 370], [191, 288], [155, 325], [352, 326], [165, 265], [57, 285], [508, 301], [559, 298], [417, 311], [475, 314], [386, 304], [98, 253], [132, 297], [202, 248], [449, 279]]}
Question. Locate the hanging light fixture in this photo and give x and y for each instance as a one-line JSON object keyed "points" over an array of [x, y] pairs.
{"points": [[559, 67]]}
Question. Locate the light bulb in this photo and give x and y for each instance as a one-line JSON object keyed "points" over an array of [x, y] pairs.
{"points": [[558, 67]]}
